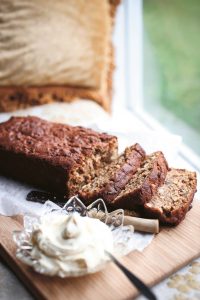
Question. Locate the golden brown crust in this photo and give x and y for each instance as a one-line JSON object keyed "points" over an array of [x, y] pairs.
{"points": [[19, 97]]}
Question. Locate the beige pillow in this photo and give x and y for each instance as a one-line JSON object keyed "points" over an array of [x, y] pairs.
{"points": [[55, 51]]}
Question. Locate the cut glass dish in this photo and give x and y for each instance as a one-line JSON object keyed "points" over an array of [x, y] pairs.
{"points": [[123, 236]]}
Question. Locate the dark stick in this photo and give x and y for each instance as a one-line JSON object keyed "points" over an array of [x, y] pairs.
{"points": [[141, 286], [42, 197]]}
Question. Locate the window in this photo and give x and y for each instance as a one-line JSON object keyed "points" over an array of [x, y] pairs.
{"points": [[172, 65], [163, 45]]}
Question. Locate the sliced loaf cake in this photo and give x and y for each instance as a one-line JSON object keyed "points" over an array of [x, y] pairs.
{"points": [[52, 156], [113, 178], [143, 184], [174, 197]]}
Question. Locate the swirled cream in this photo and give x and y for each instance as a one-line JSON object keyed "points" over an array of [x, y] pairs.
{"points": [[70, 245]]}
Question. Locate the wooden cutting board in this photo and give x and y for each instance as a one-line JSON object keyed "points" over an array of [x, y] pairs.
{"points": [[170, 250]]}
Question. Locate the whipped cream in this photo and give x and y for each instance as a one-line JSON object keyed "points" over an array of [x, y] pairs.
{"points": [[70, 244]]}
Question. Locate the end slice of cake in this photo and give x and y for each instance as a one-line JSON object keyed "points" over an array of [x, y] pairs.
{"points": [[144, 183], [174, 197], [113, 178]]}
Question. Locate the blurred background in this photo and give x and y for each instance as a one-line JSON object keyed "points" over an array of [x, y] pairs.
{"points": [[161, 62], [172, 65]]}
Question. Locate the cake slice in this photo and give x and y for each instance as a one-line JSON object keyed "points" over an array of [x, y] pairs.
{"points": [[114, 177], [53, 156], [174, 197], [144, 183]]}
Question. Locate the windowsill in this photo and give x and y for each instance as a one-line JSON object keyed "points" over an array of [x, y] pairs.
{"points": [[186, 152]]}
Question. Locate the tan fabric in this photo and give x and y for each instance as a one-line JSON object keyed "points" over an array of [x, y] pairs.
{"points": [[95, 67], [47, 42]]}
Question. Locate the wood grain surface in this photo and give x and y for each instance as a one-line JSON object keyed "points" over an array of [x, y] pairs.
{"points": [[170, 250]]}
